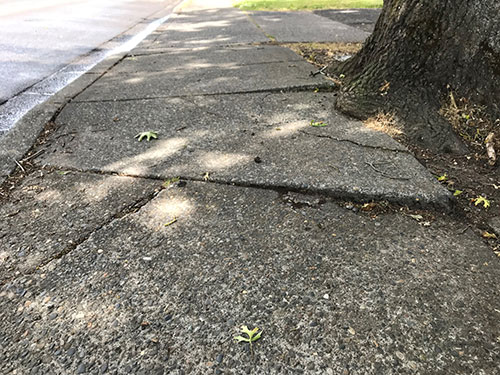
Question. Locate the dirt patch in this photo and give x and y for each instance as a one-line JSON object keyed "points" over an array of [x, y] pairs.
{"points": [[322, 54], [473, 124]]}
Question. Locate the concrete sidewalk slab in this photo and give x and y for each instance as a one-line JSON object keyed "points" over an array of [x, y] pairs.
{"points": [[174, 60], [204, 28], [249, 139], [62, 209], [364, 18], [210, 79], [333, 291], [305, 27]]}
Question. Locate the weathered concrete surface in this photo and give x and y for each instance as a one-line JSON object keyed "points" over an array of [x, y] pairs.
{"points": [[249, 139], [305, 27], [51, 212], [130, 82], [333, 291], [175, 60], [364, 19], [204, 27]]}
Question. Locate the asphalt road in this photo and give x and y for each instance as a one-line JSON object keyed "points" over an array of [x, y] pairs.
{"points": [[38, 38]]}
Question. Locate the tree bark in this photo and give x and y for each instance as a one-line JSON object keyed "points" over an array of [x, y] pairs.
{"points": [[418, 52]]}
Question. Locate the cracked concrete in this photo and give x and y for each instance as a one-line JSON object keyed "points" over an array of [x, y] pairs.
{"points": [[225, 135], [103, 273], [62, 208], [399, 147], [331, 290]]}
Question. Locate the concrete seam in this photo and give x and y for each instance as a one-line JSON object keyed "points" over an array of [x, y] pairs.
{"points": [[444, 204], [322, 87]]}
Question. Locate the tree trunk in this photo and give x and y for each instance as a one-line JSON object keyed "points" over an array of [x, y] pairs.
{"points": [[419, 51]]}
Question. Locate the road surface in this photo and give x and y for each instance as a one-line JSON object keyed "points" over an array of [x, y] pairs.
{"points": [[38, 38]]}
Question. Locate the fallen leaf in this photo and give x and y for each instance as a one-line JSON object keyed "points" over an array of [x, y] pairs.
{"points": [[457, 193], [368, 206], [483, 200], [416, 217], [489, 235], [352, 331], [148, 135], [442, 178], [318, 124]]}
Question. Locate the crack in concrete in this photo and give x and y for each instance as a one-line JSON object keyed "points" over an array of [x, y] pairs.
{"points": [[381, 148], [444, 203], [282, 189], [131, 208], [321, 87]]}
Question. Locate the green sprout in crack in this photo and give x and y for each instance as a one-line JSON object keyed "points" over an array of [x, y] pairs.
{"points": [[170, 181], [253, 335], [148, 135]]}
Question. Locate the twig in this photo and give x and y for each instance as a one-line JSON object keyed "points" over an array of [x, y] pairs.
{"points": [[13, 213], [465, 230], [19, 165], [32, 156], [385, 174], [321, 71]]}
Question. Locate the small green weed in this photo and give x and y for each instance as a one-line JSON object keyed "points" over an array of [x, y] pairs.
{"points": [[148, 135], [170, 181]]}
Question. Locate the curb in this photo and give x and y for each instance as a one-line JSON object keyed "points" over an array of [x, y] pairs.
{"points": [[21, 137]]}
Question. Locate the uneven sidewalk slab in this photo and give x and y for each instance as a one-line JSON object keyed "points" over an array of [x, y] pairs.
{"points": [[305, 27], [49, 213], [205, 72], [175, 60], [260, 139], [150, 294]]}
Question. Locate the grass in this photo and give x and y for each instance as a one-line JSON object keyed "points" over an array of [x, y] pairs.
{"points": [[306, 4]]}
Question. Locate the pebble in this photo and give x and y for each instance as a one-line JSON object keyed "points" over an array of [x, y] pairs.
{"points": [[81, 368], [168, 317], [313, 324], [218, 371], [103, 368], [53, 316], [219, 358], [71, 351]]}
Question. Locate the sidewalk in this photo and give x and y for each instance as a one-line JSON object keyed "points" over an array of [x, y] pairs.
{"points": [[119, 256]]}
